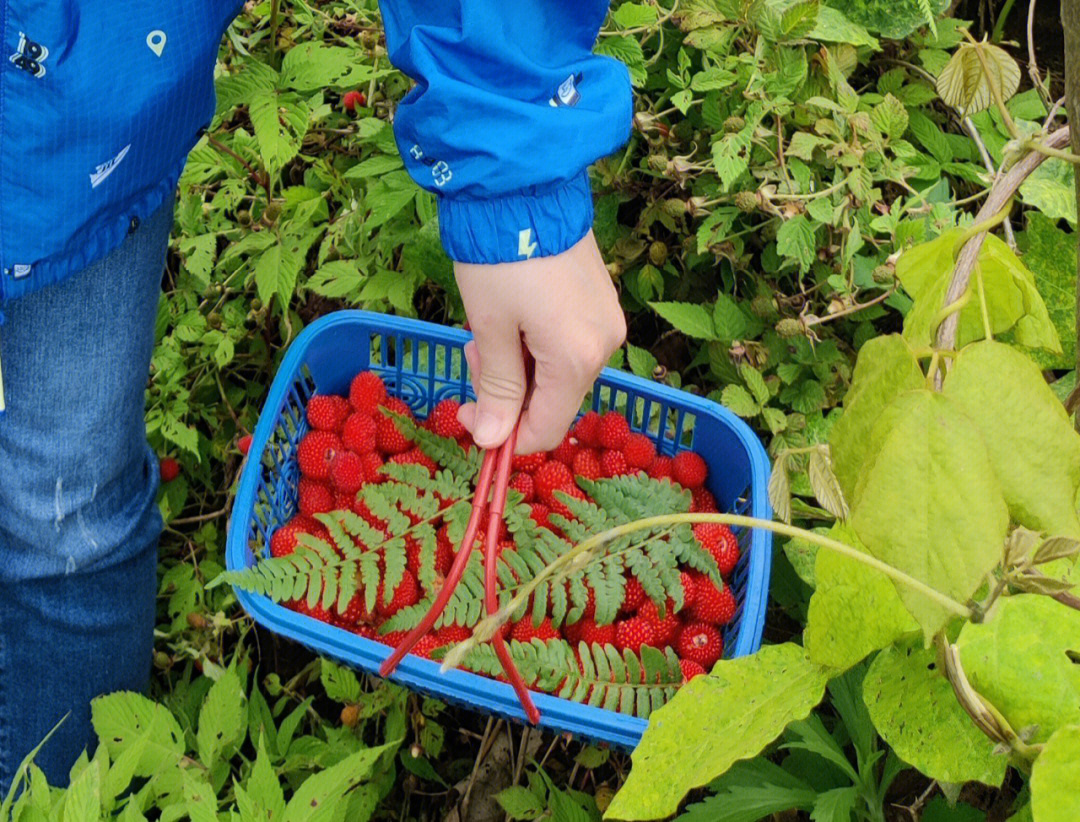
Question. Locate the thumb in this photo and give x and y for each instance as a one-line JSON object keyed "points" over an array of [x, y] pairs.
{"points": [[500, 384]]}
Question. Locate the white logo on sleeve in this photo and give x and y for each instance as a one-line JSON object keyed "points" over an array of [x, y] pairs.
{"points": [[567, 94], [525, 245], [156, 41], [105, 169]]}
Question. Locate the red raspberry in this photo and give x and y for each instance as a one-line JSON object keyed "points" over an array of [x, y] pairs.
{"points": [[284, 539], [407, 593], [347, 472], [639, 451], [444, 419], [565, 451], [594, 634], [689, 590], [243, 445], [587, 430], [613, 464], [712, 605], [666, 627], [550, 477], [425, 646], [702, 502], [523, 483], [355, 611], [633, 633], [372, 463], [327, 412], [452, 634], [169, 469], [315, 453], [539, 514], [393, 639], [343, 500], [700, 643], [367, 392], [614, 430], [314, 497], [414, 456], [660, 468], [587, 464], [721, 543], [572, 633], [352, 100], [690, 669], [366, 631], [689, 469], [358, 432], [528, 462], [444, 551], [389, 436], [634, 596], [525, 631]]}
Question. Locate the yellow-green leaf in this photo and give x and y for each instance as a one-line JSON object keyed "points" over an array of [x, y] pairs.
{"points": [[855, 609], [1023, 660], [966, 80], [748, 702], [913, 707], [1031, 441], [1055, 778], [928, 502]]}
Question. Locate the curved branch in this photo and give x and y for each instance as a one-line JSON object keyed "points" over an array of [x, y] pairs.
{"points": [[1004, 188]]}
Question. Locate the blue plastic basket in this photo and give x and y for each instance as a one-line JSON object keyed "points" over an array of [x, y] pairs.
{"points": [[423, 363]]}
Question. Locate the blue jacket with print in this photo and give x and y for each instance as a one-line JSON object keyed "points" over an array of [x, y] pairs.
{"points": [[101, 100]]}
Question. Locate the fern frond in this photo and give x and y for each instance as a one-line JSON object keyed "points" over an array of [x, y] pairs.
{"points": [[928, 15], [603, 677], [445, 451]]}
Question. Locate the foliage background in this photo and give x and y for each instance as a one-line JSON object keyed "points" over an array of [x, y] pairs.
{"points": [[776, 170]]}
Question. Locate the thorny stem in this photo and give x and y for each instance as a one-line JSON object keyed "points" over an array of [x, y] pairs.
{"points": [[579, 556]]}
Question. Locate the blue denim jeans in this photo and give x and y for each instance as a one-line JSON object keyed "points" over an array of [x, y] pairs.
{"points": [[79, 526]]}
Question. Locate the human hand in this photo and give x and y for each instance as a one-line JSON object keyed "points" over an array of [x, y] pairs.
{"points": [[567, 312]]}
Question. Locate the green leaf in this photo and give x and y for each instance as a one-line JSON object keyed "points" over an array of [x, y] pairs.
{"points": [[930, 135], [748, 700], [750, 791], [200, 802], [1050, 254], [632, 15], [835, 805], [755, 382], [738, 400], [1033, 447], [628, 50], [928, 503], [374, 167], [262, 798], [890, 117], [795, 240], [939, 810], [832, 26], [309, 66], [322, 796], [120, 718], [280, 121], [520, 803], [689, 318], [886, 368], [915, 710], [340, 684], [1009, 288], [221, 719], [854, 611], [1049, 188], [641, 361], [1055, 778], [966, 85], [82, 802], [1023, 659], [728, 318], [895, 19], [799, 19]]}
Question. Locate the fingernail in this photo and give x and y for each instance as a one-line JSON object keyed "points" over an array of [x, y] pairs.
{"points": [[487, 428]]}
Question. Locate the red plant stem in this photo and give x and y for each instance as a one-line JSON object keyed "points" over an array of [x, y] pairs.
{"points": [[483, 486], [491, 553]]}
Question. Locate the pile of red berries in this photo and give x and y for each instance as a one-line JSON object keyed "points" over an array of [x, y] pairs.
{"points": [[350, 439]]}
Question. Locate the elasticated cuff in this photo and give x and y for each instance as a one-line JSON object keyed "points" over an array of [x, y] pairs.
{"points": [[534, 222]]}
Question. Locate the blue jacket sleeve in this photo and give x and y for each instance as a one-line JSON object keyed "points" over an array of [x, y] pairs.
{"points": [[510, 107]]}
